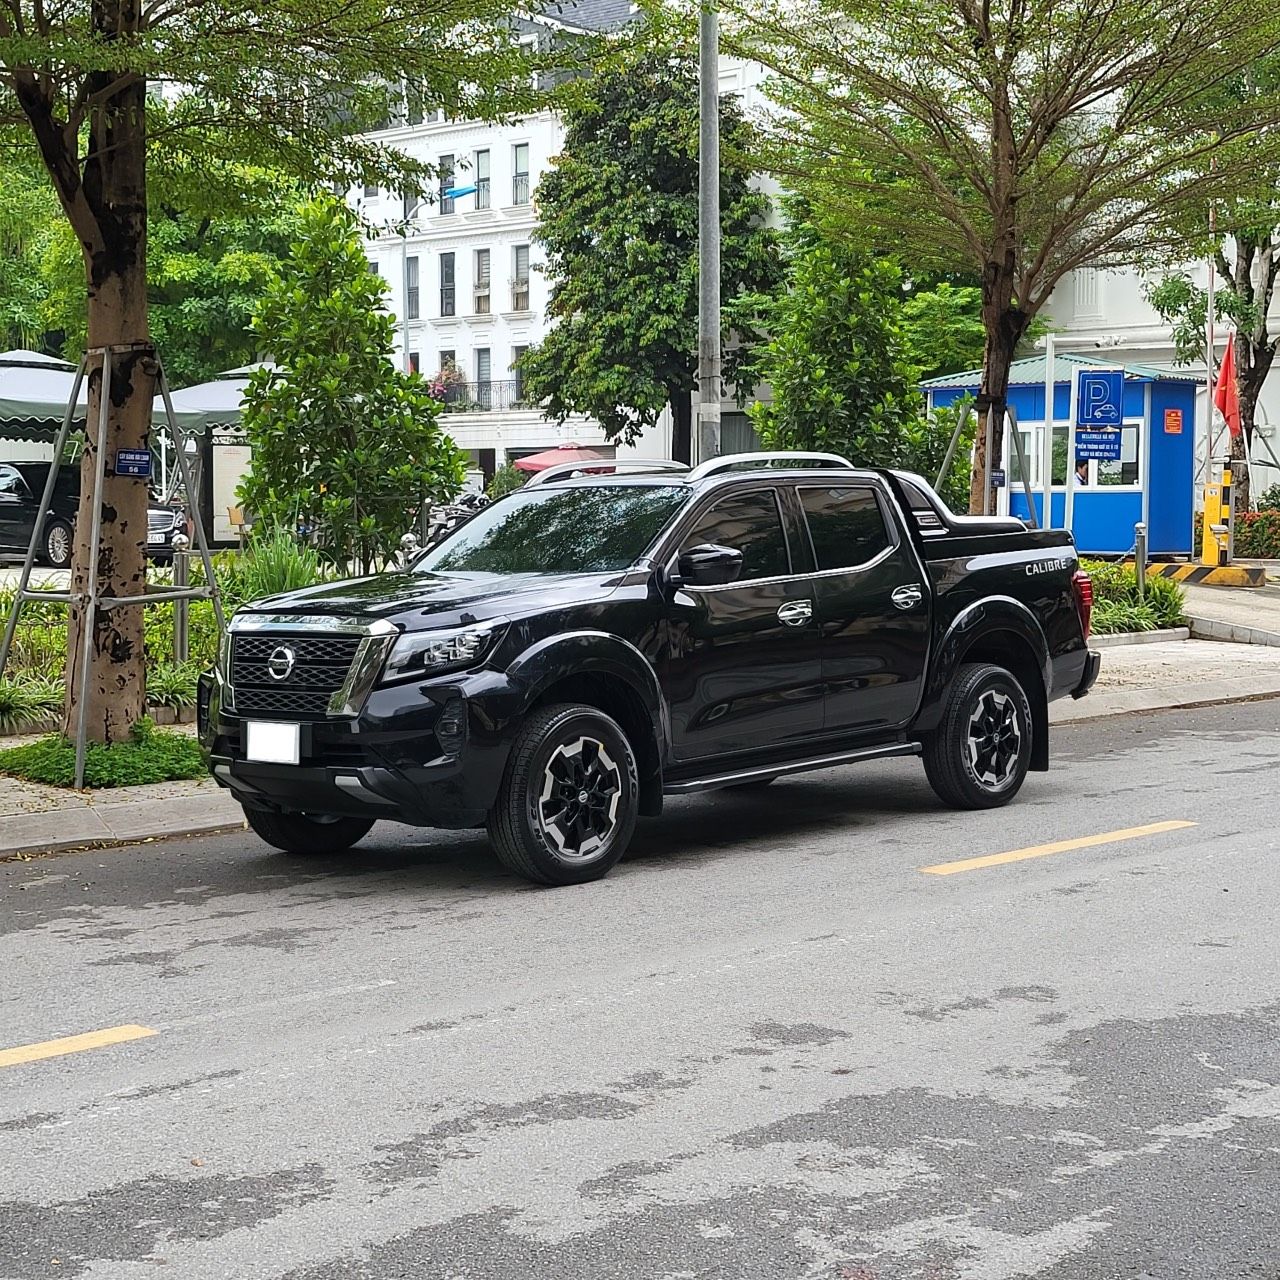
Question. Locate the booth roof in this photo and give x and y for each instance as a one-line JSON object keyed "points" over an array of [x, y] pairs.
{"points": [[1031, 372], [35, 388]]}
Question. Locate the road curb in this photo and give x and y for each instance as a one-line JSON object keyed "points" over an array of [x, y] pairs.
{"points": [[1118, 638], [9, 852], [1232, 632], [1139, 701]]}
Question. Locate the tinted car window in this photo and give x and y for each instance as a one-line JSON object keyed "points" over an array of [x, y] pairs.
{"points": [[11, 481], [750, 523], [596, 529], [847, 526]]}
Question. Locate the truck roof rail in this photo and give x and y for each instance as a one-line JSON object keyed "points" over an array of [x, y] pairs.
{"points": [[592, 467], [745, 461]]}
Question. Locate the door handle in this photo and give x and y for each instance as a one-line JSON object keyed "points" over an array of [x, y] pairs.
{"points": [[907, 597], [795, 613]]}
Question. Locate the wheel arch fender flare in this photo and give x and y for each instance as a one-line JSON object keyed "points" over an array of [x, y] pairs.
{"points": [[560, 658], [980, 633]]}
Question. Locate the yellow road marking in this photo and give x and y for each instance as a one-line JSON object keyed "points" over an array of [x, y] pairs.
{"points": [[72, 1044], [1058, 846]]}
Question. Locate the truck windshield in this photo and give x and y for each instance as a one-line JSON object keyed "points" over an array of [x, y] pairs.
{"points": [[595, 529]]}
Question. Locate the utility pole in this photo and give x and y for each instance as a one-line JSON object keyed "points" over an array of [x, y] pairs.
{"points": [[706, 442]]}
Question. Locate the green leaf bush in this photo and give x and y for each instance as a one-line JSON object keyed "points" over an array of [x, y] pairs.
{"points": [[151, 756], [1116, 607]]}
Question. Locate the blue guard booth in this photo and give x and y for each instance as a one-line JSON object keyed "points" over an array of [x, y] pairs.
{"points": [[1140, 468]]}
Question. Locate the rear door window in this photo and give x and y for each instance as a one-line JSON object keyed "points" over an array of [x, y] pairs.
{"points": [[847, 526]]}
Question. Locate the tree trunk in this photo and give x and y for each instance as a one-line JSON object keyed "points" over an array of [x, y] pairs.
{"points": [[114, 188], [1005, 325], [682, 425]]}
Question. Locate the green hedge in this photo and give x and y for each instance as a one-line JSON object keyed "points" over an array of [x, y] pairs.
{"points": [[152, 756], [1115, 595]]}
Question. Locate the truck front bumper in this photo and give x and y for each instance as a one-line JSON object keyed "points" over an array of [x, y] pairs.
{"points": [[430, 756]]}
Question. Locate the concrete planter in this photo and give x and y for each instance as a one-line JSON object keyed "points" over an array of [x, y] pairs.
{"points": [[163, 715], [1139, 637]]}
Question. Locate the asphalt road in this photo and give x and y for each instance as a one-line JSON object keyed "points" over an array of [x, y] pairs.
{"points": [[768, 1045]]}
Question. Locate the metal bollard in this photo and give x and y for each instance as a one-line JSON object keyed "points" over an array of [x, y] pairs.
{"points": [[1140, 558], [408, 548], [181, 637]]}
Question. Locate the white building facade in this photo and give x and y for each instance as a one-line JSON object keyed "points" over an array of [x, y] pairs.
{"points": [[465, 286]]}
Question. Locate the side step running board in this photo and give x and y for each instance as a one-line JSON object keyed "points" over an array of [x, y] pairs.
{"points": [[714, 781]]}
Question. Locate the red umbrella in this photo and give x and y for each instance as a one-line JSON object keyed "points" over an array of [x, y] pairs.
{"points": [[553, 457]]}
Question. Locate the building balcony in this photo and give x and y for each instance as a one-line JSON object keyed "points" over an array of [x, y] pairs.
{"points": [[485, 397]]}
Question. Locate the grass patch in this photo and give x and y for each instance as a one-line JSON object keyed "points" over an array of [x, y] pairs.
{"points": [[152, 755]]}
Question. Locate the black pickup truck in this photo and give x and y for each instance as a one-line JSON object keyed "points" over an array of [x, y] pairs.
{"points": [[590, 644]]}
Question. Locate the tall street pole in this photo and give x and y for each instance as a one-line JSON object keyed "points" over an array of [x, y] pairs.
{"points": [[706, 443]]}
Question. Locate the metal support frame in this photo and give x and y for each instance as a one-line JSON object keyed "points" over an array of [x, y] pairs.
{"points": [[950, 455], [91, 600], [706, 442], [1014, 435]]}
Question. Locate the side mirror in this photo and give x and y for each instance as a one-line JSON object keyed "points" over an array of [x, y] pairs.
{"points": [[709, 565]]}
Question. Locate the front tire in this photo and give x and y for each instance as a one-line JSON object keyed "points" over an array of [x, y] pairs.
{"points": [[58, 544], [567, 807], [307, 834], [978, 756]]}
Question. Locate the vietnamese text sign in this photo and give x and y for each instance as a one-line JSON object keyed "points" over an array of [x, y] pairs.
{"points": [[1100, 398], [1101, 446], [134, 462], [1173, 422]]}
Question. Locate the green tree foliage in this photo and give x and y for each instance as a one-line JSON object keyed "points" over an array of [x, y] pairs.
{"points": [[618, 219], [342, 440], [1014, 140], [28, 219], [942, 329], [206, 275], [283, 85], [844, 356]]}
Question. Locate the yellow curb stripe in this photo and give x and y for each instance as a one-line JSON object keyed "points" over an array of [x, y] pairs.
{"points": [[72, 1044], [1058, 846]]}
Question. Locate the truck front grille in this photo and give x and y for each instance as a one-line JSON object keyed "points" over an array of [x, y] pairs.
{"points": [[318, 669]]}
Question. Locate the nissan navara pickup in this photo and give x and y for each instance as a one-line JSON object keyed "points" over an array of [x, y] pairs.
{"points": [[592, 643]]}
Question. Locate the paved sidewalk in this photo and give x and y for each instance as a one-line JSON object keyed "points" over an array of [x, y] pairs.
{"points": [[40, 819], [1150, 677], [1243, 616]]}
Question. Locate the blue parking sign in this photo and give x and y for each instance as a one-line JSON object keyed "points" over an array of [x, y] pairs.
{"points": [[1100, 398]]}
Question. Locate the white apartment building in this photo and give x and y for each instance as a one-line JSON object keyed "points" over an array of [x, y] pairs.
{"points": [[463, 279]]}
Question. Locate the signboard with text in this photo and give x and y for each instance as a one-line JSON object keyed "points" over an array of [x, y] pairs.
{"points": [[1099, 446], [135, 463]]}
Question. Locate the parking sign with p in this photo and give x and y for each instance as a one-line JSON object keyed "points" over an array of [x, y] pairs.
{"points": [[1100, 398]]}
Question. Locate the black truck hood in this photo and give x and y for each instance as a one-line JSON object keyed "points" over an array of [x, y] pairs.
{"points": [[420, 601]]}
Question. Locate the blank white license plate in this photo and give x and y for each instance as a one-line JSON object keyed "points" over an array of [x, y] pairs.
{"points": [[272, 743], [155, 539]]}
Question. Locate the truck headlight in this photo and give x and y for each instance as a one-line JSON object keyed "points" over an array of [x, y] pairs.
{"points": [[431, 653], [224, 656]]}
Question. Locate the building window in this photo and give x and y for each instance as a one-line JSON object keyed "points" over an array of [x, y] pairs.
{"points": [[373, 267], [446, 182], [483, 179], [415, 363], [412, 303], [520, 278], [482, 275], [520, 173], [517, 378], [370, 191], [413, 102], [448, 359], [448, 286], [484, 375]]}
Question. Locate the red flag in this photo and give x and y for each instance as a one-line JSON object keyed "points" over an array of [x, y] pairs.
{"points": [[1227, 394]]}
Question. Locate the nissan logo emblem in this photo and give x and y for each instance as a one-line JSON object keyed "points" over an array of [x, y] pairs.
{"points": [[280, 663]]}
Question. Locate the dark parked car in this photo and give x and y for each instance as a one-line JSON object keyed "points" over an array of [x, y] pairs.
{"points": [[21, 488], [584, 647]]}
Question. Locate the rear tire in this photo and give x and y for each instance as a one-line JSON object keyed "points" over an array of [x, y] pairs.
{"points": [[567, 807], [58, 544], [978, 756], [307, 835]]}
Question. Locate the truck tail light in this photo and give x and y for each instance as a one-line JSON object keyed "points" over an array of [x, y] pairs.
{"points": [[1082, 585]]}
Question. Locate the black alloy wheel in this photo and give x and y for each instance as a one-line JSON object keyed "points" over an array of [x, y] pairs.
{"points": [[978, 756], [567, 807]]}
